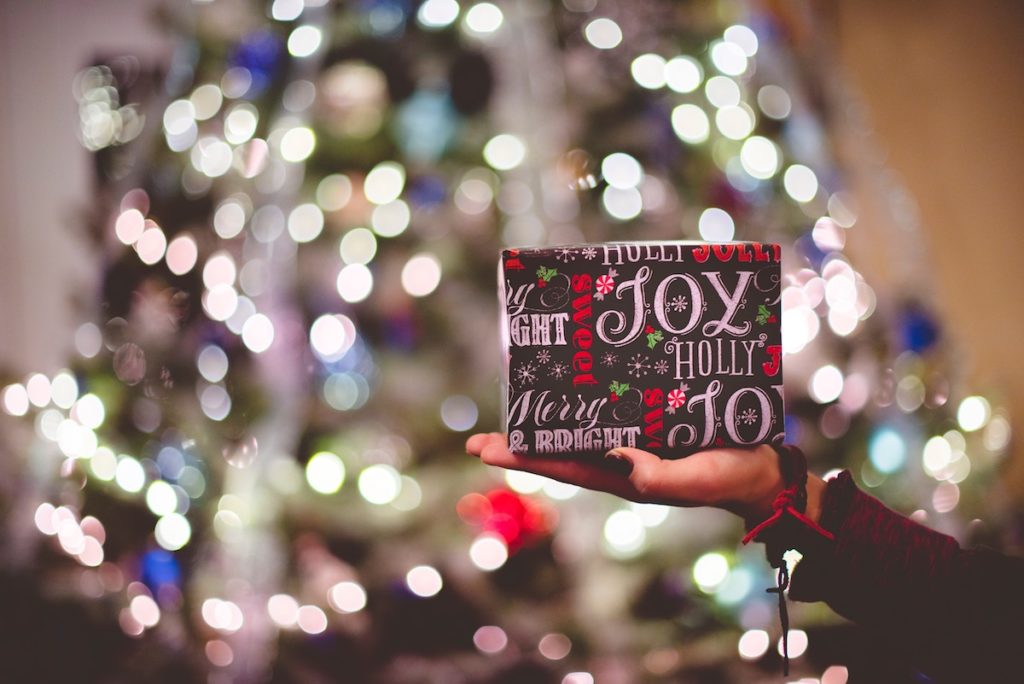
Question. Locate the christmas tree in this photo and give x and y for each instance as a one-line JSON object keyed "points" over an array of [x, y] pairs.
{"points": [[253, 470]]}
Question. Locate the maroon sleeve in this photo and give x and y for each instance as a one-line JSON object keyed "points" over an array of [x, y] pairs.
{"points": [[959, 612]]}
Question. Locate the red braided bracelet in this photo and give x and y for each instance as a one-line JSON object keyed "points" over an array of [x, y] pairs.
{"points": [[792, 500]]}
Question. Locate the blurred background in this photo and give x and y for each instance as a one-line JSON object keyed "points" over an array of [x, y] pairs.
{"points": [[249, 318]]}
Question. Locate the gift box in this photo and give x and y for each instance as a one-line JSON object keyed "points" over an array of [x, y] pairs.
{"points": [[671, 347]]}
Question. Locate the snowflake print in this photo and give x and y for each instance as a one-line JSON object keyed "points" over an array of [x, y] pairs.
{"points": [[543, 356], [559, 370], [747, 417], [526, 374], [661, 366], [677, 303], [609, 359], [565, 254], [638, 365], [589, 253]]}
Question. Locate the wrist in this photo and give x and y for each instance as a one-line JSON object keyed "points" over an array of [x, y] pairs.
{"points": [[815, 495], [764, 485], [796, 510]]}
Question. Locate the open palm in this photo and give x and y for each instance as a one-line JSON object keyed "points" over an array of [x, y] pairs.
{"points": [[743, 481]]}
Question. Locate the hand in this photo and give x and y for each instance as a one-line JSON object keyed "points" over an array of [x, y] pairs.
{"points": [[742, 481]]}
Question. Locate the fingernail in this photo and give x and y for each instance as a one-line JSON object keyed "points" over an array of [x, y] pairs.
{"points": [[618, 462]]}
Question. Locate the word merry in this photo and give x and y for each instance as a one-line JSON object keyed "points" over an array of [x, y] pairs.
{"points": [[516, 298], [546, 408]]}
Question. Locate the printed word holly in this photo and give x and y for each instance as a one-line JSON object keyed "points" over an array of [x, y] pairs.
{"points": [[704, 358]]}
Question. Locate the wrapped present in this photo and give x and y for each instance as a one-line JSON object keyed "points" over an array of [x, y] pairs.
{"points": [[671, 347]]}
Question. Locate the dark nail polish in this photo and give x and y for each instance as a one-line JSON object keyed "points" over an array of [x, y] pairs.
{"points": [[618, 463]]}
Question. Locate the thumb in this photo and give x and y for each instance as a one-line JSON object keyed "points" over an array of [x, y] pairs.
{"points": [[644, 469]]}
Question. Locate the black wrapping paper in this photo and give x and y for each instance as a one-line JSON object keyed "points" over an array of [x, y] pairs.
{"points": [[671, 347]]}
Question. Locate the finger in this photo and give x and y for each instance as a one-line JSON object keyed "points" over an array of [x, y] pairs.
{"points": [[684, 482], [581, 474], [476, 443]]}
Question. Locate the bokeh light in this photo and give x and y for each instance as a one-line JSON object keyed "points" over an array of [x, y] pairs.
{"points": [[488, 552], [358, 246], [797, 643], [424, 581], [624, 533], [554, 646], [490, 639], [648, 71], [887, 450], [459, 412], [421, 274], [683, 74], [258, 333], [347, 597], [484, 18], [603, 33], [973, 413], [436, 14], [715, 225], [354, 283], [380, 484], [690, 123], [305, 222], [325, 472], [504, 152], [173, 531], [753, 644], [710, 570], [304, 40], [384, 182]]}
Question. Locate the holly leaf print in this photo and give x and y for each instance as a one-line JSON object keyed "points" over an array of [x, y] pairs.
{"points": [[546, 274], [618, 388]]}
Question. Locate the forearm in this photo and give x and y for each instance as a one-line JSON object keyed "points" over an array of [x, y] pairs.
{"points": [[954, 608]]}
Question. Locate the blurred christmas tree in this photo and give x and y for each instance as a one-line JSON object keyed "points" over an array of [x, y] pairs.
{"points": [[254, 470]]}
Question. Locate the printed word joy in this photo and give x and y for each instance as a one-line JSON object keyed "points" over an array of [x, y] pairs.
{"points": [[717, 409], [619, 328]]}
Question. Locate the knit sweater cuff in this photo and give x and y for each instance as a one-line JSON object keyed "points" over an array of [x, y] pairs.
{"points": [[877, 555]]}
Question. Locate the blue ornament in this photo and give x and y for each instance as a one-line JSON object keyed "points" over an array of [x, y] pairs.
{"points": [[809, 249], [260, 53], [386, 17], [160, 568], [425, 125], [918, 330], [400, 331], [426, 191], [794, 428]]}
